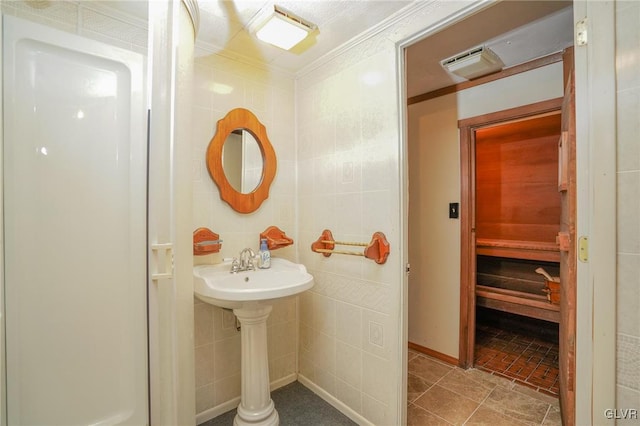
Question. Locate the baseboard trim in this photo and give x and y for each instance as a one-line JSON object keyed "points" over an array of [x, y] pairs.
{"points": [[336, 403], [434, 354], [213, 412]]}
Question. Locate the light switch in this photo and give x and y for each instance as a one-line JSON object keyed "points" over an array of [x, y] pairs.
{"points": [[454, 210]]}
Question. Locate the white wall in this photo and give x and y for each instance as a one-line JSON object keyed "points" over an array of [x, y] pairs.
{"points": [[628, 151], [434, 239], [221, 85], [434, 182]]}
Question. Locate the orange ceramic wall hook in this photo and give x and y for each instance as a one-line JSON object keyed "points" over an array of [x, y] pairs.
{"points": [[276, 238]]}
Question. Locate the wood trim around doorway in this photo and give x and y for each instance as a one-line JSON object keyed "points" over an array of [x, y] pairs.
{"points": [[433, 354], [467, 248], [467, 214]]}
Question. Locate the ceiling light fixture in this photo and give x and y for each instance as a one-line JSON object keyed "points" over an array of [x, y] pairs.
{"points": [[474, 63], [282, 28]]}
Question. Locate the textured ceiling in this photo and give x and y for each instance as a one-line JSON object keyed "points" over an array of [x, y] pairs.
{"points": [[518, 31], [223, 28]]}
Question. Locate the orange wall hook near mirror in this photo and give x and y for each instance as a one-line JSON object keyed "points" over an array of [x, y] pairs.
{"points": [[240, 119], [276, 238], [205, 241]]}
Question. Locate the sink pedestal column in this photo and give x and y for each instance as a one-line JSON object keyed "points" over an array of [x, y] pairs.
{"points": [[256, 406]]}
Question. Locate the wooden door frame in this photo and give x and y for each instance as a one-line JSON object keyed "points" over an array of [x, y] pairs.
{"points": [[468, 128]]}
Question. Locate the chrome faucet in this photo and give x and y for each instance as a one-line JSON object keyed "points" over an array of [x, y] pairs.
{"points": [[246, 260]]}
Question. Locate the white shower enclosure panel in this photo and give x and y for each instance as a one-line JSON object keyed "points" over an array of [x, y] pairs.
{"points": [[75, 230]]}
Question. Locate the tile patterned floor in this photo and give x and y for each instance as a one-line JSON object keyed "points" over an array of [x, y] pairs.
{"points": [[441, 394], [528, 360]]}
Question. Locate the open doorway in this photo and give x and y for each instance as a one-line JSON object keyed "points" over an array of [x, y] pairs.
{"points": [[510, 160], [435, 180]]}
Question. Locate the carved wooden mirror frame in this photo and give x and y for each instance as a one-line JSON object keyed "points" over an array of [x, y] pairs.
{"points": [[240, 118]]}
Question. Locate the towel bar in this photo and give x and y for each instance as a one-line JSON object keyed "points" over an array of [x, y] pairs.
{"points": [[377, 249]]}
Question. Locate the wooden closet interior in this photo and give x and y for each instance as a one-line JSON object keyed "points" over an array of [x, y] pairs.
{"points": [[517, 215]]}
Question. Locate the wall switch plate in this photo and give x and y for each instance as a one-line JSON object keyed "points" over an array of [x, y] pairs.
{"points": [[454, 210]]}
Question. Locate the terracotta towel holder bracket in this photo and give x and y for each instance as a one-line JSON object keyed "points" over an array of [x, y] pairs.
{"points": [[205, 241], [377, 249], [276, 238]]}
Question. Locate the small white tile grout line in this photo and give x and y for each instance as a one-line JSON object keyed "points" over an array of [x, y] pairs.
{"points": [[480, 405], [546, 414], [430, 412]]}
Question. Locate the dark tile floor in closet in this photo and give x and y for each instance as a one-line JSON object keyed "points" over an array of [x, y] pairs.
{"points": [[522, 349]]}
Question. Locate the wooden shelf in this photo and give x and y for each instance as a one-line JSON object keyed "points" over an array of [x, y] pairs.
{"points": [[530, 250], [517, 302]]}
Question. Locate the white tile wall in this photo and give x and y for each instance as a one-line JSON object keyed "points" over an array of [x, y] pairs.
{"points": [[628, 125], [221, 85], [348, 183]]}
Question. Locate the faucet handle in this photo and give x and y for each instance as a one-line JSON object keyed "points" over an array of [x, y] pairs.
{"points": [[235, 266], [251, 263]]}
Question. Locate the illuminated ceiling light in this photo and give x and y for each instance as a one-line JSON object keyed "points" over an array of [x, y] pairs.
{"points": [[282, 28]]}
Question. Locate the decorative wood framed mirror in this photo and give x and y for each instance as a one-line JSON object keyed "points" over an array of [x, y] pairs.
{"points": [[241, 160]]}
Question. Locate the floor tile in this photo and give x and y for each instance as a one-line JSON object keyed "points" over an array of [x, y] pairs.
{"points": [[526, 359], [412, 354], [487, 416], [417, 416], [446, 404], [526, 390], [461, 383], [416, 386], [428, 369], [516, 405], [483, 376], [553, 417], [475, 397]]}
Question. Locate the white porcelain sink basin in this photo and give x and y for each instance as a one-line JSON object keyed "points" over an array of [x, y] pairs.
{"points": [[215, 284]]}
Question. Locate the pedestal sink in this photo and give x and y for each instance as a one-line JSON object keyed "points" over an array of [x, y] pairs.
{"points": [[250, 294]]}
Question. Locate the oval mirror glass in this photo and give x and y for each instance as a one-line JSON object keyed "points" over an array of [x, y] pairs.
{"points": [[242, 161]]}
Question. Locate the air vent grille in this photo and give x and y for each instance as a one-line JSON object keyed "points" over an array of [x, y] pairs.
{"points": [[477, 50], [473, 63]]}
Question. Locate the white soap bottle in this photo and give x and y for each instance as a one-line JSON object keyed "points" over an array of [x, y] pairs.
{"points": [[265, 255]]}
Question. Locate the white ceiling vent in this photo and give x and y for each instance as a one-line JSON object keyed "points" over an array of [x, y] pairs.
{"points": [[474, 63]]}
